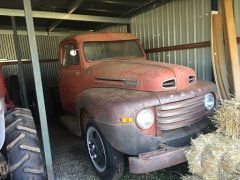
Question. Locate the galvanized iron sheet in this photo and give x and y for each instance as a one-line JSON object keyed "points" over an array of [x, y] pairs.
{"points": [[47, 47], [49, 73], [175, 23]]}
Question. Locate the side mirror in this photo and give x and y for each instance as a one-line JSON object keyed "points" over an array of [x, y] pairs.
{"points": [[73, 52]]}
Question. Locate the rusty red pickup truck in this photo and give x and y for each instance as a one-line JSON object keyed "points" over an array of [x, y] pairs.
{"points": [[126, 105]]}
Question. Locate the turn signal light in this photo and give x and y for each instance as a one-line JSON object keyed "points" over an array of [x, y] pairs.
{"points": [[127, 120]]}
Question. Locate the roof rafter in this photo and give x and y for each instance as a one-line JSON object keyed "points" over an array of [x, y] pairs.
{"points": [[71, 9], [64, 16]]}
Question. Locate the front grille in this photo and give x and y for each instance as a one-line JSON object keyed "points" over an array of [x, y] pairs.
{"points": [[169, 83], [181, 113]]}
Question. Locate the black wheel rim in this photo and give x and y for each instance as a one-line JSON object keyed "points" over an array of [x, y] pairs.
{"points": [[96, 149]]}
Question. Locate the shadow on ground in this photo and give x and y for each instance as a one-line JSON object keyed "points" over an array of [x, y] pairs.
{"points": [[71, 163]]}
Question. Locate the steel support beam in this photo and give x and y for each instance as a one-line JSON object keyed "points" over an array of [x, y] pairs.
{"points": [[64, 16], [144, 7], [72, 8], [122, 3], [22, 83], [38, 87]]}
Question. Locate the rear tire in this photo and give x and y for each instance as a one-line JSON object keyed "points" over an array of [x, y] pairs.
{"points": [[107, 162], [22, 146]]}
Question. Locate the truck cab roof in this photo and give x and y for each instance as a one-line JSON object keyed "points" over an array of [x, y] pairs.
{"points": [[100, 36]]}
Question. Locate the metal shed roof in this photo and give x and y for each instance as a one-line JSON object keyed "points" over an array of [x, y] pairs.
{"points": [[105, 8]]}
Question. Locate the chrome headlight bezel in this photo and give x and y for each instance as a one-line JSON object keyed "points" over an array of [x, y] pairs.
{"points": [[145, 118], [209, 101]]}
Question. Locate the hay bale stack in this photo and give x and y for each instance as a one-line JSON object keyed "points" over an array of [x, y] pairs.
{"points": [[231, 161], [227, 118], [213, 158], [194, 154], [189, 177], [217, 155]]}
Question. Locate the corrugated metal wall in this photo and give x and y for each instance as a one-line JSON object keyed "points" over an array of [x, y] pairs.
{"points": [[117, 28], [175, 23], [48, 70], [48, 50], [236, 6], [47, 44]]}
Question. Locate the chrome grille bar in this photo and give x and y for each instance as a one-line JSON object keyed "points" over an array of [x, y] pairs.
{"points": [[181, 113]]}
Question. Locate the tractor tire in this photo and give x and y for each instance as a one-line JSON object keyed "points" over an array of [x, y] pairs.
{"points": [[22, 146]]}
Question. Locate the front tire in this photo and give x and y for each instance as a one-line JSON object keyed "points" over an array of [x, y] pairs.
{"points": [[107, 162], [22, 146]]}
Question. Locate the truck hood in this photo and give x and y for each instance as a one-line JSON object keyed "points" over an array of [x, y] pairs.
{"points": [[143, 75]]}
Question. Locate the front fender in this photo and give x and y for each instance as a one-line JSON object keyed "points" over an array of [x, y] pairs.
{"points": [[111, 104], [106, 107]]}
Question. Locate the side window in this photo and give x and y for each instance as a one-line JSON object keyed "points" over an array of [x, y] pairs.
{"points": [[70, 55]]}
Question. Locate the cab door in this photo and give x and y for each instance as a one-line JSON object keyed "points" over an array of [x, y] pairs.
{"points": [[70, 76]]}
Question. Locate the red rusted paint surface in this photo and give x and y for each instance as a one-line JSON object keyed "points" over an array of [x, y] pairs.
{"points": [[148, 75], [112, 89], [109, 105], [156, 160], [102, 37]]}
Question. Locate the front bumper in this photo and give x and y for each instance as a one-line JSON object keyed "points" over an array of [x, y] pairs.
{"points": [[157, 160], [129, 140]]}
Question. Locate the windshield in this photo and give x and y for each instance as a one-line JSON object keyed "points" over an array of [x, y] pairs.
{"points": [[111, 49]]}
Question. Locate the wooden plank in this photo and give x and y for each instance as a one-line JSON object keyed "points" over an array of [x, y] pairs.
{"points": [[218, 57], [179, 47], [231, 43], [197, 45]]}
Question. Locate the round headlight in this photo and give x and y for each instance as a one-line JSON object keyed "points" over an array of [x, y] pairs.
{"points": [[209, 101], [145, 119]]}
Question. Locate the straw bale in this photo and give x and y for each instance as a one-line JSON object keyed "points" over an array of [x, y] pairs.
{"points": [[210, 164], [231, 161], [214, 156], [217, 155], [194, 153], [191, 177], [227, 118]]}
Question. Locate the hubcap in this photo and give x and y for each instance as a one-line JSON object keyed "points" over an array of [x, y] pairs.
{"points": [[96, 149]]}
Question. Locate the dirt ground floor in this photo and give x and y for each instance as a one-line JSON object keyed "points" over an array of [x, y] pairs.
{"points": [[71, 163]]}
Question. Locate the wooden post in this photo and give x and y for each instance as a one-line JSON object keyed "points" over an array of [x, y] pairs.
{"points": [[232, 44], [218, 57]]}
